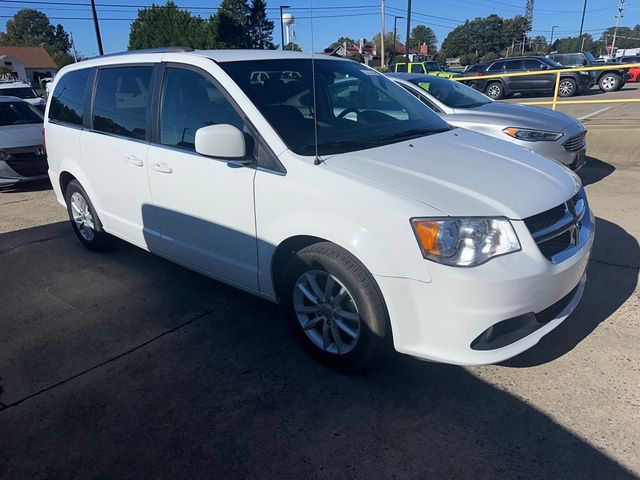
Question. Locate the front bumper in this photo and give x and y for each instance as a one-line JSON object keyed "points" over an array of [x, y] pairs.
{"points": [[441, 320], [23, 165]]}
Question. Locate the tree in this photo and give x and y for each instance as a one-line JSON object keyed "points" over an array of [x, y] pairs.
{"points": [[260, 29], [626, 37], [539, 45], [30, 28], [388, 44], [293, 47], [231, 24], [166, 26], [422, 34], [574, 44]]}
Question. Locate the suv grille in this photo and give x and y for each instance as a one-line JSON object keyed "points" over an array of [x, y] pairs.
{"points": [[558, 229], [26, 162], [576, 143]]}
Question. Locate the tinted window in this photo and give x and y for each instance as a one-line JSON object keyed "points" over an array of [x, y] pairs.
{"points": [[417, 68], [191, 101], [380, 112], [514, 65], [401, 67], [122, 101], [496, 66], [18, 113], [532, 64], [20, 92], [67, 101]]}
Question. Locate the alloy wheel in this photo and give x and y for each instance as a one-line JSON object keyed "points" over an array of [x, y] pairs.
{"points": [[609, 83], [565, 88], [327, 312], [493, 91], [82, 216]]}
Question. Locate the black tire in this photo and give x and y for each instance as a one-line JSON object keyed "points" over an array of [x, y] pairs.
{"points": [[568, 87], [610, 82], [100, 240], [374, 336], [494, 90]]}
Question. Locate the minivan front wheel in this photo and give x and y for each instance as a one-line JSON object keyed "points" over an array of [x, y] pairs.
{"points": [[84, 220], [335, 307]]}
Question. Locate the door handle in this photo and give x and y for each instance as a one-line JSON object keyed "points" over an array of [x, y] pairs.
{"points": [[133, 160], [161, 167]]}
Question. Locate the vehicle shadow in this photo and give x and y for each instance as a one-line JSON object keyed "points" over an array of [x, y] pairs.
{"points": [[135, 391], [595, 170], [34, 186], [612, 277]]}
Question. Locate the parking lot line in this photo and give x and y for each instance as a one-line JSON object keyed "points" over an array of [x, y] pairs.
{"points": [[593, 114]]}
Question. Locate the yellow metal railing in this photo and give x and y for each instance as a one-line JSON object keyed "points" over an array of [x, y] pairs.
{"points": [[558, 73]]}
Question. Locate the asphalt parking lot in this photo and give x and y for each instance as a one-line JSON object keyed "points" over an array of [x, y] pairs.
{"points": [[123, 365]]}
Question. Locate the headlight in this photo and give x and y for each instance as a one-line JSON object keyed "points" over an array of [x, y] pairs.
{"points": [[529, 135], [464, 242], [4, 156]]}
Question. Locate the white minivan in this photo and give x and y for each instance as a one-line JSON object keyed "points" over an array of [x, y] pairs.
{"points": [[365, 215]]}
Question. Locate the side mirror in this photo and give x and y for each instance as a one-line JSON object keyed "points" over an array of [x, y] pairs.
{"points": [[221, 141]]}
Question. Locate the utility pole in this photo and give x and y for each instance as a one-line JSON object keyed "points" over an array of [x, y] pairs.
{"points": [[282, 7], [395, 35], [615, 31], [524, 40], [97, 27], [551, 41], [73, 47], [406, 45], [382, 34], [584, 10]]}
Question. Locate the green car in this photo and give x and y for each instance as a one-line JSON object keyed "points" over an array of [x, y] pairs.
{"points": [[429, 68]]}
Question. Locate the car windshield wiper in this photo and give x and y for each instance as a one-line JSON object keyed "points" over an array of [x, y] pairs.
{"points": [[345, 142], [410, 133]]}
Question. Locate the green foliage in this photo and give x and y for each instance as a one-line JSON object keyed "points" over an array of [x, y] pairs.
{"points": [[573, 44], [236, 24], [423, 34], [627, 37], [488, 57], [31, 28], [469, 59], [388, 45], [484, 35], [293, 47]]}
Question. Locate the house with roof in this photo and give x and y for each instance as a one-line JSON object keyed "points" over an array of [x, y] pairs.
{"points": [[28, 64]]}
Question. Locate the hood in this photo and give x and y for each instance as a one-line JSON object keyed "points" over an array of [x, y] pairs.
{"points": [[462, 173], [510, 115], [21, 135]]}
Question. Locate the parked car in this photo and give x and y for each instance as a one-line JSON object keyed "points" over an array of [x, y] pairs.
{"points": [[571, 83], [428, 68], [22, 154], [372, 224], [634, 73], [22, 90], [550, 133], [608, 80]]}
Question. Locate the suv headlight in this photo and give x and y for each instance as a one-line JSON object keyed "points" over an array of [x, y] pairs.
{"points": [[464, 242], [529, 135]]}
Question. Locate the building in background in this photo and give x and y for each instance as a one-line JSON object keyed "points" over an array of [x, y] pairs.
{"points": [[28, 64]]}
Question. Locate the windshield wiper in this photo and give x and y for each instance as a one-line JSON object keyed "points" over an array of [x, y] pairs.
{"points": [[410, 133], [346, 142]]}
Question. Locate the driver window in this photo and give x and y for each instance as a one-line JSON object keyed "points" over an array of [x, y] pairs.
{"points": [[191, 101]]}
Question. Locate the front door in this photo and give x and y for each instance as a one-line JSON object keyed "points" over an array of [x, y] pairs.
{"points": [[202, 213]]}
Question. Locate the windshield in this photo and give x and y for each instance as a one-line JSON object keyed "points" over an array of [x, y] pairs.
{"points": [[453, 94], [20, 92], [432, 66], [18, 113], [356, 107]]}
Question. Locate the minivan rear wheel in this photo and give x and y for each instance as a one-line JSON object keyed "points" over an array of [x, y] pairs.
{"points": [[84, 219], [335, 307]]}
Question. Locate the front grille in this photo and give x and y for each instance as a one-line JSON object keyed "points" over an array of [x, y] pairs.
{"points": [[576, 143], [26, 162], [558, 228]]}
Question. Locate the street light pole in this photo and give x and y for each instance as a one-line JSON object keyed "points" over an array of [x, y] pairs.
{"points": [[282, 7], [551, 41], [406, 45], [393, 55], [382, 35], [97, 27]]}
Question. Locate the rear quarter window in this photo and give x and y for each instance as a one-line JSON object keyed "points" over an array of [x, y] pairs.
{"points": [[67, 100]]}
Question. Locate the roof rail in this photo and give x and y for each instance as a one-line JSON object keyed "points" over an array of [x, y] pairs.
{"points": [[146, 50]]}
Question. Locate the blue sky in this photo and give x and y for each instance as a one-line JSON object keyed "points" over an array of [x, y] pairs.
{"points": [[335, 18]]}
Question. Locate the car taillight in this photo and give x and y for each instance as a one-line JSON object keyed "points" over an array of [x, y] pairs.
{"points": [[480, 74]]}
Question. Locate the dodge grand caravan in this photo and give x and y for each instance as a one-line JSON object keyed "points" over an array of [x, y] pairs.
{"points": [[366, 216]]}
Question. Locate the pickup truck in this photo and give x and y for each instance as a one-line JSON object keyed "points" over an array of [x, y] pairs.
{"points": [[608, 80]]}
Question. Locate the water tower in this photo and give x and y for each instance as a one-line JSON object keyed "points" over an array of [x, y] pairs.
{"points": [[288, 20]]}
